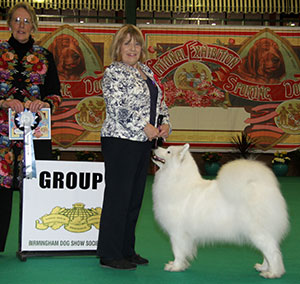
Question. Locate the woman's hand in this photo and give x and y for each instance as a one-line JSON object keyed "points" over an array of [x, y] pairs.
{"points": [[36, 105], [19, 106], [14, 104], [164, 131], [151, 132]]}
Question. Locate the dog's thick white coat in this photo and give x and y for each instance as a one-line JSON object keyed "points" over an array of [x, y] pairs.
{"points": [[242, 205]]}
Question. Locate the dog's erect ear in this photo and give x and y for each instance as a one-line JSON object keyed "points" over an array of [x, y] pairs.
{"points": [[186, 147], [183, 151]]}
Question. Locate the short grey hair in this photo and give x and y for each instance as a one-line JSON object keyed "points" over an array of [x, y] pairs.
{"points": [[30, 11]]}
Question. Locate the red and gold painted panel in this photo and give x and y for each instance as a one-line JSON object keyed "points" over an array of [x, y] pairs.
{"points": [[218, 81]]}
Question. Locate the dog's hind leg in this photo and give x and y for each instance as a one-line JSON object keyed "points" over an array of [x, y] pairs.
{"points": [[276, 266], [183, 249], [272, 266]]}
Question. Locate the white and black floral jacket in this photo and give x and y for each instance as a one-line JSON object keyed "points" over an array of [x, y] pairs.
{"points": [[127, 99]]}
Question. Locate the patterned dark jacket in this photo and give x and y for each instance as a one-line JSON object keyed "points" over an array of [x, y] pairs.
{"points": [[27, 72]]}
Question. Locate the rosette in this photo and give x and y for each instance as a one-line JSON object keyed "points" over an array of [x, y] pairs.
{"points": [[27, 121]]}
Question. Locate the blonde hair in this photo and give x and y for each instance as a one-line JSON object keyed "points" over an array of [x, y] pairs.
{"points": [[134, 32], [29, 10]]}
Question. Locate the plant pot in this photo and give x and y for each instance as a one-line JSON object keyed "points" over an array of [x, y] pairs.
{"points": [[280, 169], [211, 168]]}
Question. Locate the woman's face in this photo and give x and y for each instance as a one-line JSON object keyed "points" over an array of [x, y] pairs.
{"points": [[21, 25], [130, 51]]}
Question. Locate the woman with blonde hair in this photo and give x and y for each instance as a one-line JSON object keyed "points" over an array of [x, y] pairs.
{"points": [[134, 101]]}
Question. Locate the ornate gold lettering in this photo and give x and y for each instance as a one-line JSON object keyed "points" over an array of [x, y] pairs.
{"points": [[291, 89], [250, 92]]}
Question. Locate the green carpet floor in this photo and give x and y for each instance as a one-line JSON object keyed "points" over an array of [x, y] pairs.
{"points": [[217, 264]]}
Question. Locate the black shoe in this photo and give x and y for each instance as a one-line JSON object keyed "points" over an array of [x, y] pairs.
{"points": [[137, 259], [122, 264]]}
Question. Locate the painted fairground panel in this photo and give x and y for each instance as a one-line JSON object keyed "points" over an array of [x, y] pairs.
{"points": [[221, 81], [218, 82]]}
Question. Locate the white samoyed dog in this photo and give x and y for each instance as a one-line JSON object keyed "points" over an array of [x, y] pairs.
{"points": [[242, 205]]}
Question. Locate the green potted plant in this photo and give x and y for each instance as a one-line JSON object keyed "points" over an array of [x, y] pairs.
{"points": [[280, 163], [211, 162], [244, 144]]}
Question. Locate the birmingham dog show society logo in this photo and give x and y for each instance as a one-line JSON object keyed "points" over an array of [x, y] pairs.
{"points": [[76, 220]]}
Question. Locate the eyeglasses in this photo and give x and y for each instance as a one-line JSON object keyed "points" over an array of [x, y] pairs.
{"points": [[25, 21]]}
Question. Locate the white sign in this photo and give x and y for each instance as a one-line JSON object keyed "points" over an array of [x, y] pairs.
{"points": [[61, 208]]}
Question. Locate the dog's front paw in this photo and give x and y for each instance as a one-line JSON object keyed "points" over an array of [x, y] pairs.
{"points": [[173, 266]]}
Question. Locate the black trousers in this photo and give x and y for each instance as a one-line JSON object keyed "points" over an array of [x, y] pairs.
{"points": [[5, 214], [126, 165], [42, 150]]}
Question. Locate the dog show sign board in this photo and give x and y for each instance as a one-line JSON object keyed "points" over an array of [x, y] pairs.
{"points": [[61, 208]]}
